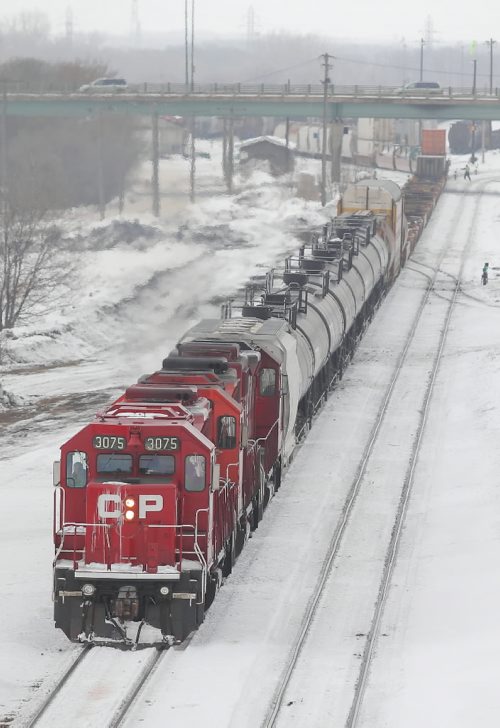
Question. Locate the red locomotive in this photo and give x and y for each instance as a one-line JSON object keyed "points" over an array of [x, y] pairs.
{"points": [[154, 499]]}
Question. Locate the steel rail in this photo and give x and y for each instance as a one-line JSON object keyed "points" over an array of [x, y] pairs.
{"points": [[277, 699], [59, 686], [392, 551], [143, 677]]}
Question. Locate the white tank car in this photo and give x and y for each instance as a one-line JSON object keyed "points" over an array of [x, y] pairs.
{"points": [[310, 313]]}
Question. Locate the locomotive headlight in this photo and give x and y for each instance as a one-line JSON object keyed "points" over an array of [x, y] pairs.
{"points": [[129, 502], [164, 591], [88, 590], [129, 515]]}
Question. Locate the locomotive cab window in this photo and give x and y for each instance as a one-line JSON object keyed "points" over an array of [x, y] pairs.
{"points": [[76, 469], [194, 476], [267, 383], [156, 464], [226, 433], [114, 463]]}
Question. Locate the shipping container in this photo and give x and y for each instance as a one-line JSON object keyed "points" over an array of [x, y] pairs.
{"points": [[433, 141], [431, 167]]}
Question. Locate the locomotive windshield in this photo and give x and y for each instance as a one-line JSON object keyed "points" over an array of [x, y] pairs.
{"points": [[114, 463], [156, 464]]}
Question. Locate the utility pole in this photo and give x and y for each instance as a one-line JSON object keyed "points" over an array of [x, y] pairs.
{"points": [[422, 43], [473, 144], [4, 141], [100, 167], [326, 80], [192, 45], [192, 165], [4, 150], [186, 44], [491, 43]]}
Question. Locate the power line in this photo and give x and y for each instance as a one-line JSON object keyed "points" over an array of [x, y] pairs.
{"points": [[403, 68], [281, 70], [359, 62]]}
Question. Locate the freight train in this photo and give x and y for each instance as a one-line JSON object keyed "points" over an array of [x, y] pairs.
{"points": [[463, 135], [155, 498]]}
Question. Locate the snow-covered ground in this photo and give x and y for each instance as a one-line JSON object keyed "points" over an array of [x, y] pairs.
{"points": [[129, 306]]}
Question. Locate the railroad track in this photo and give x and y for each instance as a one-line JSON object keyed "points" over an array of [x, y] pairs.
{"points": [[284, 695], [44, 706], [98, 688]]}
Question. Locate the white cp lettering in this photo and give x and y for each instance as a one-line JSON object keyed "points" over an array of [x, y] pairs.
{"points": [[105, 500], [147, 504]]}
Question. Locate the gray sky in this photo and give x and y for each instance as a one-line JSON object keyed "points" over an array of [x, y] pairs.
{"points": [[354, 19]]}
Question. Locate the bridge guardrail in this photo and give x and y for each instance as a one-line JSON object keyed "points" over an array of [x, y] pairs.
{"points": [[289, 89], [260, 90]]}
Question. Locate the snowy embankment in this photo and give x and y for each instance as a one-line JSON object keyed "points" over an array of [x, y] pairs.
{"points": [[140, 282]]}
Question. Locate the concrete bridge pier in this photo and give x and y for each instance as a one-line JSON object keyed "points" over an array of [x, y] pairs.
{"points": [[228, 152], [336, 135], [155, 157]]}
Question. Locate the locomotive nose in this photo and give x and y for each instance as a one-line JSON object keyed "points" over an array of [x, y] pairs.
{"points": [[132, 524]]}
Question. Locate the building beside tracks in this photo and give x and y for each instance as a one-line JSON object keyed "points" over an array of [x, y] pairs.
{"points": [[275, 151]]}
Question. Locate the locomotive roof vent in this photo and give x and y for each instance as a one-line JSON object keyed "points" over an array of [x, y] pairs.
{"points": [[226, 349], [152, 393], [217, 364]]}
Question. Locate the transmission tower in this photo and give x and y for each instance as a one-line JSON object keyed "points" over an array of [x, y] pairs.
{"points": [[250, 23], [69, 25], [429, 32], [135, 23]]}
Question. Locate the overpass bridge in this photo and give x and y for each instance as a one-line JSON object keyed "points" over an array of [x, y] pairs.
{"points": [[243, 100]]}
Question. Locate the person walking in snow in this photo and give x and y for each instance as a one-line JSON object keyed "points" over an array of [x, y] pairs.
{"points": [[484, 275], [467, 172]]}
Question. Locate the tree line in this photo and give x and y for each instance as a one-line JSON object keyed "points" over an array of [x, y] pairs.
{"points": [[47, 166]]}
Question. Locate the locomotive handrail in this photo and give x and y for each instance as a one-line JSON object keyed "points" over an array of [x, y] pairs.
{"points": [[76, 525], [59, 491], [200, 555], [184, 526], [253, 443], [231, 465], [226, 483]]}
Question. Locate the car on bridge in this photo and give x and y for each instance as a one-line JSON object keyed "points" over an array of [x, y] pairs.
{"points": [[420, 88], [104, 85]]}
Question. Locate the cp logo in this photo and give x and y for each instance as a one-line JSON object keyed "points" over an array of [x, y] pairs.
{"points": [[109, 505]]}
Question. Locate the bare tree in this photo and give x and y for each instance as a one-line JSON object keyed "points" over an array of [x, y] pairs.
{"points": [[32, 268]]}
